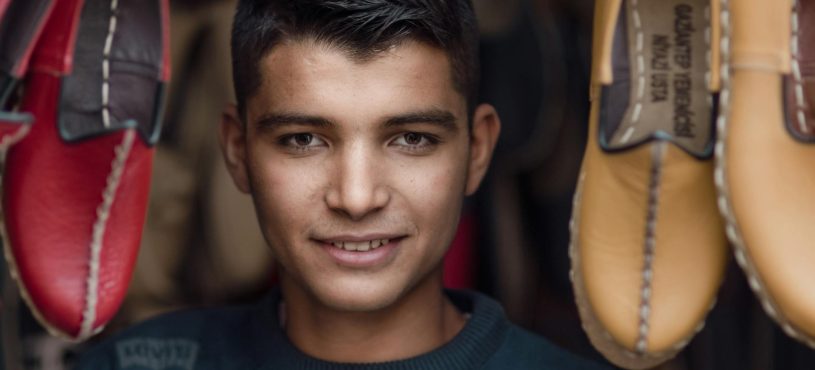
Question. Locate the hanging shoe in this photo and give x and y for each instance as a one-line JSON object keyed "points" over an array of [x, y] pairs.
{"points": [[648, 251], [766, 153], [75, 189]]}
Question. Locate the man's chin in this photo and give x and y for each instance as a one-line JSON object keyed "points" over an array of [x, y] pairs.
{"points": [[358, 299]]}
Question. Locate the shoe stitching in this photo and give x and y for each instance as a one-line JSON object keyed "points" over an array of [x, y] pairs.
{"points": [[796, 72], [14, 138], [103, 211], [607, 345], [106, 64], [122, 152], [721, 124], [708, 54], [721, 183], [635, 116], [657, 154], [656, 172]]}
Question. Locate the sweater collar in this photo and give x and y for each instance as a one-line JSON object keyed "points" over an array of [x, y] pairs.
{"points": [[481, 336]]}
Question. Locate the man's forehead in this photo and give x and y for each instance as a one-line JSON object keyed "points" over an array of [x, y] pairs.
{"points": [[311, 76]]}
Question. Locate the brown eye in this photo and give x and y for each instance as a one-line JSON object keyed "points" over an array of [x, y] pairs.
{"points": [[413, 138], [301, 142], [303, 139], [415, 142]]}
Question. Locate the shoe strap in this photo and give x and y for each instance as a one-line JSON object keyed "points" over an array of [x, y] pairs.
{"points": [[760, 34], [606, 13]]}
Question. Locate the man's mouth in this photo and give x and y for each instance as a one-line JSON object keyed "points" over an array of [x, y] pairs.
{"points": [[362, 246], [362, 251]]}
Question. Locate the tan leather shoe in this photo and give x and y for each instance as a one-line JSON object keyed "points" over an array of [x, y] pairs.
{"points": [[648, 248], [766, 153]]}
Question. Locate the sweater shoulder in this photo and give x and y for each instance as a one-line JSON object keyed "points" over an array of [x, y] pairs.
{"points": [[179, 339], [523, 349]]}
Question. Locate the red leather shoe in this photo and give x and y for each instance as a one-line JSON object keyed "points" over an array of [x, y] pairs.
{"points": [[75, 189]]}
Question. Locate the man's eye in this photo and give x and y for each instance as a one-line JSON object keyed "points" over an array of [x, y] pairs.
{"points": [[302, 141], [415, 140]]}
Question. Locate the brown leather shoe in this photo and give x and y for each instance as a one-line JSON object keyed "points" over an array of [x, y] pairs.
{"points": [[766, 153], [648, 249]]}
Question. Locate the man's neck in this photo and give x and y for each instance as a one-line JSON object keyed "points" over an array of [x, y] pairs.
{"points": [[419, 322]]}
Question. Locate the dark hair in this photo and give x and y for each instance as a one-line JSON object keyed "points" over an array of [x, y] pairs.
{"points": [[362, 28]]}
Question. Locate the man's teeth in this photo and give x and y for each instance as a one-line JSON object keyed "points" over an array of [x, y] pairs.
{"points": [[361, 246]]}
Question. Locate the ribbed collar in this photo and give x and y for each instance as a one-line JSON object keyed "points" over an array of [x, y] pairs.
{"points": [[481, 336]]}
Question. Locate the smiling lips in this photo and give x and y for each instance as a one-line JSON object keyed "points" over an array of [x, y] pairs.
{"points": [[362, 246], [365, 252]]}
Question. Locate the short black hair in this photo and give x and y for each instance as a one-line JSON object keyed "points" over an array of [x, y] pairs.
{"points": [[362, 28]]}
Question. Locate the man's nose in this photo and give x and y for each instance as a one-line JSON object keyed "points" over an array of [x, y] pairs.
{"points": [[359, 187]]}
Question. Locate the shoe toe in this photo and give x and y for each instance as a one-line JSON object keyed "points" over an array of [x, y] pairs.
{"points": [[628, 218]]}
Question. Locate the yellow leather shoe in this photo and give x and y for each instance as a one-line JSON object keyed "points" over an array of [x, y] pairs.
{"points": [[648, 249], [766, 153]]}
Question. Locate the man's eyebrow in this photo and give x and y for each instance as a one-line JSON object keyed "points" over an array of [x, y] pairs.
{"points": [[437, 117], [270, 121]]}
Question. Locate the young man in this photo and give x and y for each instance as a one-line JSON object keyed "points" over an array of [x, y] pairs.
{"points": [[357, 135]]}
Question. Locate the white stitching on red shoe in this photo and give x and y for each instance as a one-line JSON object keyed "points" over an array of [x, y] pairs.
{"points": [[102, 214], [14, 138], [103, 211], [106, 64]]}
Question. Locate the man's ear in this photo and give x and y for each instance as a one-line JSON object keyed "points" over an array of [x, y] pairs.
{"points": [[483, 136], [232, 137]]}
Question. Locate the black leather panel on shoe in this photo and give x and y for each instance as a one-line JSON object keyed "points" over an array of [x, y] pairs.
{"points": [[135, 92], [660, 63], [799, 86], [20, 24]]}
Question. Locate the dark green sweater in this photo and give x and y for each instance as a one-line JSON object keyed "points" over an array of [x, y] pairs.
{"points": [[251, 338]]}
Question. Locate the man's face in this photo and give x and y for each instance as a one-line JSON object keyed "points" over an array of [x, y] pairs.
{"points": [[357, 169]]}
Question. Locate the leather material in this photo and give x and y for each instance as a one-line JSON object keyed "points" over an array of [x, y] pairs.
{"points": [[21, 23], [74, 211], [690, 247], [661, 84], [766, 24], [799, 86], [604, 25], [136, 72], [765, 175], [13, 128], [648, 249]]}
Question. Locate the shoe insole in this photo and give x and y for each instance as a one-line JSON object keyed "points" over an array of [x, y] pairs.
{"points": [[660, 57]]}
